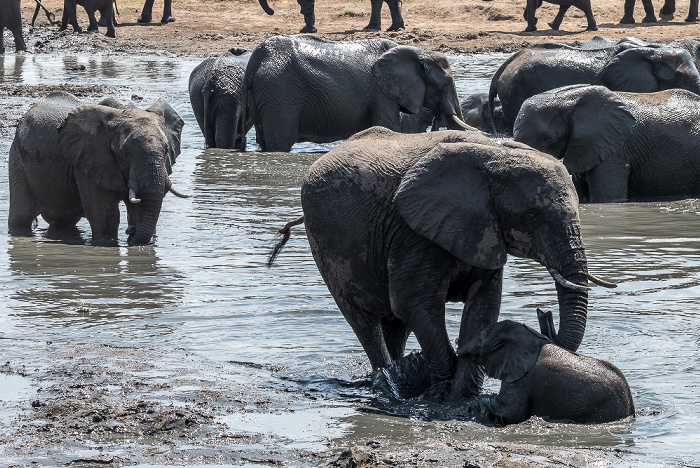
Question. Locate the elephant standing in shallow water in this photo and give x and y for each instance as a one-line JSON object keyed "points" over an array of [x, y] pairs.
{"points": [[71, 160], [400, 224], [618, 146], [304, 88]]}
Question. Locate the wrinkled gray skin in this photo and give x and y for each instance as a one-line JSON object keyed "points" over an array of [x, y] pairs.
{"points": [[621, 67], [70, 15], [108, 151], [147, 12], [618, 146], [564, 5], [542, 379], [304, 88], [375, 20], [401, 224], [216, 89], [668, 9], [11, 18]]}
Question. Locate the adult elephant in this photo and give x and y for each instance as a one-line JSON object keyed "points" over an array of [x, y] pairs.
{"points": [[375, 20], [622, 67], [400, 224], [11, 18], [304, 88], [668, 9], [147, 12], [71, 160], [216, 89], [618, 146]]}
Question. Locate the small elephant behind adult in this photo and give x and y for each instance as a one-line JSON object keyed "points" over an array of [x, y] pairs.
{"points": [[623, 66], [304, 88], [216, 88], [539, 378], [11, 19], [70, 15], [668, 9], [71, 160], [475, 112], [618, 146], [564, 5]]}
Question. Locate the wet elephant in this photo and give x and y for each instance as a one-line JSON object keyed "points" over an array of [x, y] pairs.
{"points": [[400, 224], [71, 160], [304, 88]]}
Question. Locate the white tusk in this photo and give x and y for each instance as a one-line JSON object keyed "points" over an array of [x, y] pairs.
{"points": [[459, 122], [176, 193], [559, 278], [132, 196], [600, 282]]}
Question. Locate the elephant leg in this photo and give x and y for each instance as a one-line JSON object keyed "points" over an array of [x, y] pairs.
{"points": [[396, 18], [375, 19], [307, 9], [669, 8], [107, 13], [146, 13], [628, 17], [693, 12], [70, 15], [649, 12], [368, 329], [556, 22], [167, 12], [284, 134], [396, 334], [481, 309], [608, 181], [24, 208], [92, 27], [101, 208], [530, 16], [2, 40]]}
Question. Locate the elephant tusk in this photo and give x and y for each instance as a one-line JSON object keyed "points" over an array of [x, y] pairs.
{"points": [[559, 278], [459, 122], [132, 196], [600, 282], [177, 193]]}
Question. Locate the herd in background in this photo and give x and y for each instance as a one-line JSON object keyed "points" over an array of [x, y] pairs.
{"points": [[401, 217]]}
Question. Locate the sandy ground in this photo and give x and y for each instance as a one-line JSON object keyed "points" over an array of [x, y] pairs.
{"points": [[204, 26]]}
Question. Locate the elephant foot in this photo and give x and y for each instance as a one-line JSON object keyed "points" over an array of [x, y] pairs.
{"points": [[2, 50], [666, 12], [111, 34], [102, 22], [308, 29], [692, 19], [553, 25], [649, 19], [144, 19], [396, 26], [530, 29], [167, 19], [372, 27], [627, 20], [592, 28]]}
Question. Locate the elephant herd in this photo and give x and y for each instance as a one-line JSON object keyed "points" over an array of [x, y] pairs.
{"points": [[401, 220]]}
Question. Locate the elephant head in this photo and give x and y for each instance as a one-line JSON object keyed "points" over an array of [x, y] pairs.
{"points": [[507, 350], [581, 125], [647, 69], [129, 152], [480, 208], [418, 79]]}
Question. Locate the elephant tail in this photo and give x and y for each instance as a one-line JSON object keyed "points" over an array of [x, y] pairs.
{"points": [[493, 91], [266, 7], [285, 231]]}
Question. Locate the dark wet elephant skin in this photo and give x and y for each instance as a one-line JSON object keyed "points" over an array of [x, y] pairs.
{"points": [[11, 19]]}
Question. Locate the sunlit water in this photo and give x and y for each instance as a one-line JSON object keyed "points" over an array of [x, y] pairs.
{"points": [[204, 286]]}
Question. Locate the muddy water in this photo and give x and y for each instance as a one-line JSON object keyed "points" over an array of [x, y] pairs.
{"points": [[259, 362]]}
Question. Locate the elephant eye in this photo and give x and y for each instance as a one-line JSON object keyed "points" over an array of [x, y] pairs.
{"points": [[531, 217], [499, 344]]}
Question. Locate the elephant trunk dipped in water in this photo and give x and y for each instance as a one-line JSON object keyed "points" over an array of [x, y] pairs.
{"points": [[401, 224]]}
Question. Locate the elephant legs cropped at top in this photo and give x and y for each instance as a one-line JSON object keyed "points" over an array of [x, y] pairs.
{"points": [[147, 12], [11, 19], [668, 9]]}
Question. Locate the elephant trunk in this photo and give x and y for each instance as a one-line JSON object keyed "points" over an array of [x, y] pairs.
{"points": [[148, 185], [266, 7], [147, 218], [573, 302]]}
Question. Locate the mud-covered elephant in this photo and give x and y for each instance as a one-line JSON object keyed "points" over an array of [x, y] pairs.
{"points": [[375, 20], [11, 19], [400, 224], [71, 160], [304, 88], [668, 9], [564, 5], [216, 88], [618, 146], [621, 67], [539, 378]]}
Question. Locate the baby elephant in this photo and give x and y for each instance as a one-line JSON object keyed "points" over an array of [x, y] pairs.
{"points": [[564, 5], [542, 379]]}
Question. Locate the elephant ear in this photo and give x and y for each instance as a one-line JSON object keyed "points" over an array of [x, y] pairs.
{"points": [[511, 356], [172, 126], [600, 127], [630, 70], [84, 140], [446, 197], [402, 78]]}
